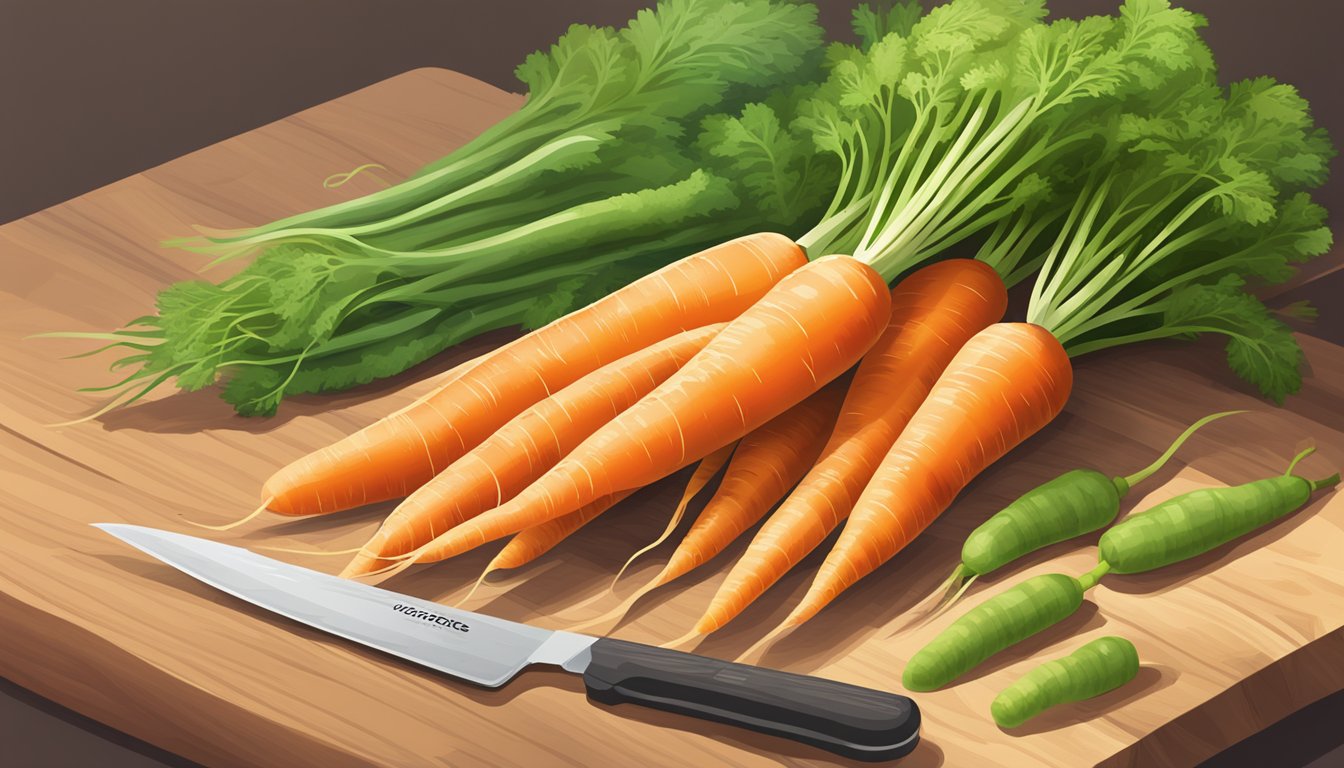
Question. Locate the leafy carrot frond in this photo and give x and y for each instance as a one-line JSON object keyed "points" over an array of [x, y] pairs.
{"points": [[599, 178], [1207, 197], [765, 151], [978, 114], [1260, 348], [873, 25]]}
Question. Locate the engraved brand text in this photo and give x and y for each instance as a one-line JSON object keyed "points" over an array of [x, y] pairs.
{"points": [[431, 617]]}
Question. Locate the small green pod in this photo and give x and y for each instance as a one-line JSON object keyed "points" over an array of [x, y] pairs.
{"points": [[998, 623], [1100, 666], [1077, 502], [1196, 522]]}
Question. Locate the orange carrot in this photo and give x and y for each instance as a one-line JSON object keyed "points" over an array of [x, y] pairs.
{"points": [[765, 466], [524, 448], [768, 462], [704, 472], [394, 456], [1002, 387], [442, 380], [934, 312], [531, 543], [811, 327]]}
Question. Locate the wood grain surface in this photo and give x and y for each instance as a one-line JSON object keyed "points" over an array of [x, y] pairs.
{"points": [[1229, 642]]}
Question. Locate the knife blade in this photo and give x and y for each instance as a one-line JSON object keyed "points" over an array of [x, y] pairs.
{"points": [[849, 720]]}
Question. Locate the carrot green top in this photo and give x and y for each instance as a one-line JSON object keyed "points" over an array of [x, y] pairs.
{"points": [[950, 124], [1206, 192], [600, 177]]}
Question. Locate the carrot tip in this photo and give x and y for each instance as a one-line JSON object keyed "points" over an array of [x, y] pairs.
{"points": [[227, 526]]}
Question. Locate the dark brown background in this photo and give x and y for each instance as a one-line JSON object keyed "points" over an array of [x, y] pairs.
{"points": [[92, 91]]}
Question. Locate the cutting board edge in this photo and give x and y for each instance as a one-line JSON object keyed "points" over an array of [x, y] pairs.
{"points": [[1198, 734], [31, 637]]}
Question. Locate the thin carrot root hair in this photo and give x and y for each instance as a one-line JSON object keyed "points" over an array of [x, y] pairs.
{"points": [[323, 553], [707, 469], [311, 552], [611, 618], [506, 583], [757, 649], [479, 581], [249, 517], [402, 562], [608, 621]]}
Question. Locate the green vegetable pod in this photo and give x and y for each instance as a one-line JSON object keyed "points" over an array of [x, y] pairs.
{"points": [[998, 623], [1100, 666], [1196, 522], [1076, 502]]}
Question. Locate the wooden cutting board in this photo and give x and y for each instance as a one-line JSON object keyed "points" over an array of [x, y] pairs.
{"points": [[1230, 642]]}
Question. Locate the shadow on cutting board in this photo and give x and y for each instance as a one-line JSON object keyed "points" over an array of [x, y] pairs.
{"points": [[927, 754]]}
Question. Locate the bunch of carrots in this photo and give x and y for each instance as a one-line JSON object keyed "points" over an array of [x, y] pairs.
{"points": [[1100, 153]]}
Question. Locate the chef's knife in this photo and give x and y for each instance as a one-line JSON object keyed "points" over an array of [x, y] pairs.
{"points": [[845, 719]]}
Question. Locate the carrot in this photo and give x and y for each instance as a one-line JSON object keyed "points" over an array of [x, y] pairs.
{"points": [[531, 543], [811, 327], [704, 472], [1008, 382], [768, 462], [392, 457], [524, 448], [934, 311], [444, 379]]}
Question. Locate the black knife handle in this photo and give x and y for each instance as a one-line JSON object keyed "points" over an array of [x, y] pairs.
{"points": [[856, 722]]}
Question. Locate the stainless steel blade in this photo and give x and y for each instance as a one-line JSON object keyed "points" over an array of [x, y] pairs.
{"points": [[482, 649]]}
